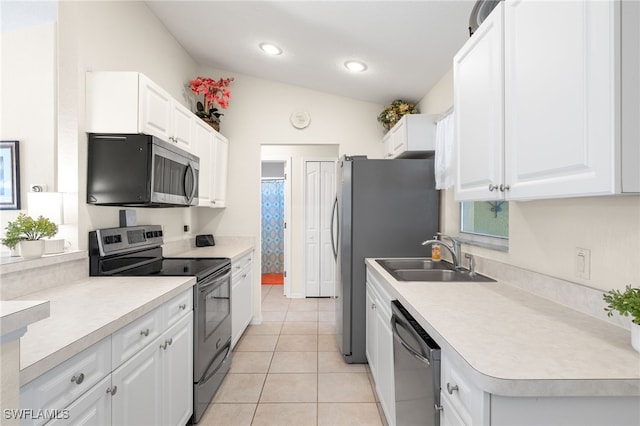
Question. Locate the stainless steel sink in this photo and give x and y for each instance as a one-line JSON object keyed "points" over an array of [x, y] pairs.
{"points": [[395, 264], [428, 270], [438, 275]]}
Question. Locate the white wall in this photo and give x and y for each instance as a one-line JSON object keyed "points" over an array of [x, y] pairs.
{"points": [[112, 36], [258, 115], [543, 235], [28, 108]]}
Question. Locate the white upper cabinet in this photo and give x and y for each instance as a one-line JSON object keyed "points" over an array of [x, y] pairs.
{"points": [[478, 71], [562, 89], [129, 102], [205, 149], [219, 196], [411, 137]]}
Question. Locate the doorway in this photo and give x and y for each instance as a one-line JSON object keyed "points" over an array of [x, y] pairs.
{"points": [[274, 206]]}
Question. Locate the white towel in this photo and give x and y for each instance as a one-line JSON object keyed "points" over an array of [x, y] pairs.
{"points": [[444, 152]]}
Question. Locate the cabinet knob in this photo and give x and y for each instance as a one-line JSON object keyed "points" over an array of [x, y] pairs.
{"points": [[438, 407], [164, 345], [451, 389], [504, 187], [373, 306], [183, 306], [492, 187], [112, 390], [78, 379], [170, 341], [144, 332]]}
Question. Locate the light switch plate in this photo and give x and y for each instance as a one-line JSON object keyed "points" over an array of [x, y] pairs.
{"points": [[583, 263]]}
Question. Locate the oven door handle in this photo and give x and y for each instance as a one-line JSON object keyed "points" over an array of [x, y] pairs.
{"points": [[208, 375], [394, 326], [215, 281]]}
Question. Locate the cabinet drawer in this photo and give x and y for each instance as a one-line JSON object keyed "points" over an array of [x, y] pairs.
{"points": [[57, 388], [449, 416], [238, 265], [462, 394], [92, 408], [178, 307], [135, 336]]}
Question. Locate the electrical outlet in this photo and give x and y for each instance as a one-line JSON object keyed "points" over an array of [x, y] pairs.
{"points": [[583, 263], [186, 228]]}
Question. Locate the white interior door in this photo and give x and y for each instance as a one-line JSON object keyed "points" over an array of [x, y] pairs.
{"points": [[319, 195]]}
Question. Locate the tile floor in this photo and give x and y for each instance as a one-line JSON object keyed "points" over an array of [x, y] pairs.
{"points": [[288, 371]]}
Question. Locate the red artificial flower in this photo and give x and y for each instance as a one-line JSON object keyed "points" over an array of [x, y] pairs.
{"points": [[214, 91]]}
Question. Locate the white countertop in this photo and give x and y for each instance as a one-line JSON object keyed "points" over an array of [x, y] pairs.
{"points": [[85, 312], [513, 343], [17, 314], [232, 249]]}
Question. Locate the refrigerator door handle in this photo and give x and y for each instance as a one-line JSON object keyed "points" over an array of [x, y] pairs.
{"points": [[334, 217]]}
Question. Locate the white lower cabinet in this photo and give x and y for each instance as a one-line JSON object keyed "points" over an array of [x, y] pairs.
{"points": [[379, 346], [109, 383], [154, 386], [462, 402], [241, 296]]}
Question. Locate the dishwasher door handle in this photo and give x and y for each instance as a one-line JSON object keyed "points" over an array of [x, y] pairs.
{"points": [[394, 326]]}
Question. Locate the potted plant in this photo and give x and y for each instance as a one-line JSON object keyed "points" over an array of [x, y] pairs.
{"points": [[626, 303], [392, 113], [28, 233], [214, 91]]}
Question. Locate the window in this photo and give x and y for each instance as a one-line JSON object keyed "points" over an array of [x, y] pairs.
{"points": [[486, 223]]}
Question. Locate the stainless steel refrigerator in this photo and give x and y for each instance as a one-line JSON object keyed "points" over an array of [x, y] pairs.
{"points": [[383, 208]]}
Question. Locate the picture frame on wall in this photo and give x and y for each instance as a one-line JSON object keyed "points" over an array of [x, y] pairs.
{"points": [[9, 175]]}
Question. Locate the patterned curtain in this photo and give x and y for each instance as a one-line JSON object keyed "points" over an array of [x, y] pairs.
{"points": [[273, 227]]}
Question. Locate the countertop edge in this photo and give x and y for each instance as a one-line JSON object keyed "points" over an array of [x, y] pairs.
{"points": [[19, 314], [30, 372], [511, 387]]}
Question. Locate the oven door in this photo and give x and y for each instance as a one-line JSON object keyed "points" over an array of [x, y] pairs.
{"points": [[212, 328]]}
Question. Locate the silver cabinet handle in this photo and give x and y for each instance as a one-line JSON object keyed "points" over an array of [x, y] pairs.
{"points": [[170, 341], [438, 407], [144, 332], [164, 345], [451, 389], [112, 390], [78, 379], [182, 307], [373, 306], [492, 187], [504, 187]]}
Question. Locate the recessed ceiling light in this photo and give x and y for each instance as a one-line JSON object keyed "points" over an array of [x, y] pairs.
{"points": [[355, 66], [270, 49]]}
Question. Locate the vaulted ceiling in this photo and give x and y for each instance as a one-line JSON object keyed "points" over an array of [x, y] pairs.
{"points": [[407, 45]]}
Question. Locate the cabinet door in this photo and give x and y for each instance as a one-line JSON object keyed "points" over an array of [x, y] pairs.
{"points": [[387, 140], [139, 397], [92, 408], [479, 112], [204, 144], [182, 124], [241, 302], [400, 137], [154, 111], [560, 98], [178, 373], [371, 331], [220, 170]]}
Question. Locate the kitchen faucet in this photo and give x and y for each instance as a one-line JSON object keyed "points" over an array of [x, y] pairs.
{"points": [[454, 248]]}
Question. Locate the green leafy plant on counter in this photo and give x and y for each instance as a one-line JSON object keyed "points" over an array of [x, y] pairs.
{"points": [[27, 228], [626, 303]]}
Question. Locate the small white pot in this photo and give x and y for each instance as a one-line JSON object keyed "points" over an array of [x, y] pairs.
{"points": [[635, 336], [31, 249]]}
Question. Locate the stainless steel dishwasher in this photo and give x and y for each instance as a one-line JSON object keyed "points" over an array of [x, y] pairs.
{"points": [[416, 369]]}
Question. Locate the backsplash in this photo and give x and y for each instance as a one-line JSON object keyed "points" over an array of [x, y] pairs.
{"points": [[575, 296], [23, 278]]}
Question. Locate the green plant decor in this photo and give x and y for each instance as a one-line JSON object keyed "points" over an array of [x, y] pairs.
{"points": [[27, 228], [392, 113], [212, 114], [625, 303]]}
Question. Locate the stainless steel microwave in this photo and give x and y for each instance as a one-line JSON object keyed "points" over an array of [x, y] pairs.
{"points": [[140, 171]]}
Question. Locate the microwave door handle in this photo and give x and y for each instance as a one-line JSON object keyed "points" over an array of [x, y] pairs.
{"points": [[195, 183]]}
